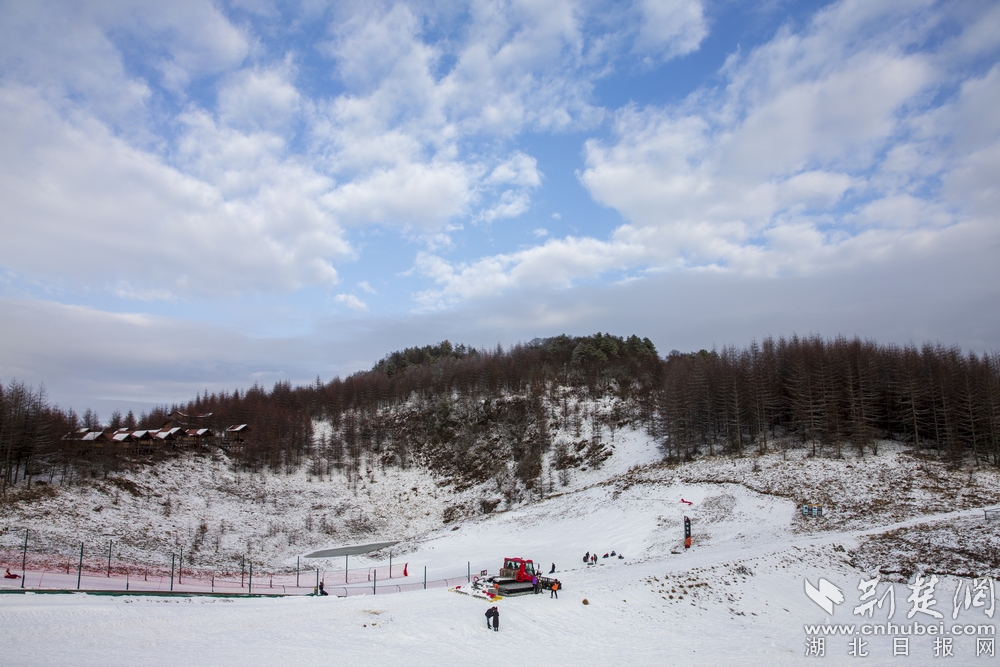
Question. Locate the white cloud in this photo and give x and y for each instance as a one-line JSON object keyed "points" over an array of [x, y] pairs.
{"points": [[425, 195], [396, 136], [62, 50], [556, 263], [72, 45], [511, 204], [373, 46], [126, 290], [252, 184], [520, 170], [823, 148], [85, 207], [352, 302], [260, 98], [196, 38], [670, 27]]}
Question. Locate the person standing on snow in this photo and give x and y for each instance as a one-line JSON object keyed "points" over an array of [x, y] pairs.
{"points": [[554, 590], [553, 568], [586, 557], [496, 620], [490, 613]]}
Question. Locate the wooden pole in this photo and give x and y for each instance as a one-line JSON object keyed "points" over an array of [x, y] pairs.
{"points": [[24, 558]]}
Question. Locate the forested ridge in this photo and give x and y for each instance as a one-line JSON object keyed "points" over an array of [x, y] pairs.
{"points": [[478, 414]]}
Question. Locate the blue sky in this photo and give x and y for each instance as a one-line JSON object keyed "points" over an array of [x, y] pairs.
{"points": [[203, 195]]}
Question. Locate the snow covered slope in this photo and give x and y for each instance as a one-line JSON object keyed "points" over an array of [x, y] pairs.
{"points": [[736, 597]]}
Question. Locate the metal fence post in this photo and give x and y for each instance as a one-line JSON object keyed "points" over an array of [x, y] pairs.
{"points": [[180, 568], [468, 565], [79, 568], [24, 558], [316, 590], [110, 542], [250, 581], [374, 582], [243, 569], [425, 577], [390, 565], [347, 567], [172, 557], [296, 571]]}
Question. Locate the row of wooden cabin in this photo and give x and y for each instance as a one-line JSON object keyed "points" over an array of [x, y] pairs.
{"points": [[174, 432]]}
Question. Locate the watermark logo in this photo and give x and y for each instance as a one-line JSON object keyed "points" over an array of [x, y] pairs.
{"points": [[870, 597], [978, 593], [935, 635], [826, 595]]}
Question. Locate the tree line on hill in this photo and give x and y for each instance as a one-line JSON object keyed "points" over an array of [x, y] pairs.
{"points": [[476, 414]]}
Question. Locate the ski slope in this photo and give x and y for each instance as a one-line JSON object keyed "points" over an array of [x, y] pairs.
{"points": [[736, 597]]}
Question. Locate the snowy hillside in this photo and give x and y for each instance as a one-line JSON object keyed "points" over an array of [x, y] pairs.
{"points": [[736, 596], [200, 502]]}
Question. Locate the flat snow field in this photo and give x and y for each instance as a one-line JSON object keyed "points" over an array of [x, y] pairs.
{"points": [[735, 598]]}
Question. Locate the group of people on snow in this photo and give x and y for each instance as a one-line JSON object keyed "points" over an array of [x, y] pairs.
{"points": [[591, 559], [537, 584]]}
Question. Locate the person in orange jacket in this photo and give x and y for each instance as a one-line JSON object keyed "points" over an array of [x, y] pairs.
{"points": [[554, 590]]}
